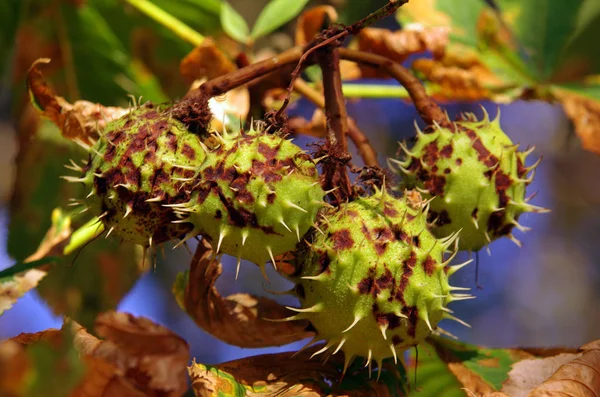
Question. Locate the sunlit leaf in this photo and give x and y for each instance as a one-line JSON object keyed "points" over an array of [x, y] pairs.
{"points": [[275, 14], [233, 23], [581, 102], [239, 319]]}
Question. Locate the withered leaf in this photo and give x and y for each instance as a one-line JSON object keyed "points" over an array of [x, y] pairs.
{"points": [[316, 127], [578, 377], [290, 374], [584, 112], [82, 120], [467, 82], [137, 358], [480, 59], [312, 21], [14, 288], [239, 319], [529, 373], [205, 61], [401, 44]]}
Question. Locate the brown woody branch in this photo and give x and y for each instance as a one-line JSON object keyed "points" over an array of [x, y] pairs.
{"points": [[429, 111], [336, 172], [365, 150]]}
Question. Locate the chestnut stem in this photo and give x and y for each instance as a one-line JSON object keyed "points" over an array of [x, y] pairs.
{"points": [[336, 172], [365, 150], [428, 109]]}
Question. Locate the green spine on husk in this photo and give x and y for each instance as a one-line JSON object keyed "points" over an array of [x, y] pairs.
{"points": [[476, 177], [372, 279], [255, 195], [139, 164]]}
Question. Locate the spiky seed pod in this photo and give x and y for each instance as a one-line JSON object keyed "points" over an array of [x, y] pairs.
{"points": [[139, 164], [477, 176], [373, 281], [256, 195]]}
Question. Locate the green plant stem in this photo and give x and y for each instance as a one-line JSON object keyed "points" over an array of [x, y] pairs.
{"points": [[374, 91], [169, 21], [86, 233]]}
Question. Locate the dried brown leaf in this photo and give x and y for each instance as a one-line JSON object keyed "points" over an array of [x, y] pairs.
{"points": [[584, 112], [14, 365], [401, 44], [310, 23], [81, 120], [137, 358], [11, 290], [527, 374], [205, 61], [316, 127], [286, 375], [460, 81], [578, 377], [238, 319]]}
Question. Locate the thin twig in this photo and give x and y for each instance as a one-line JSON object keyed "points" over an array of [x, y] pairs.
{"points": [[362, 143], [334, 37], [365, 150], [429, 111]]}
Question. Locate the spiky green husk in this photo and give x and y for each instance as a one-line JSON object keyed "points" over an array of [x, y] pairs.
{"points": [[477, 176], [138, 165], [255, 195], [372, 281]]}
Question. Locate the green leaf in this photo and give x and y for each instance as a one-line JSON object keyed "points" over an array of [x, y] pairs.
{"points": [[22, 277], [491, 365], [10, 15], [589, 91], [38, 188], [101, 67], [234, 24], [275, 14], [543, 28], [581, 56], [434, 378], [200, 15], [92, 279]]}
